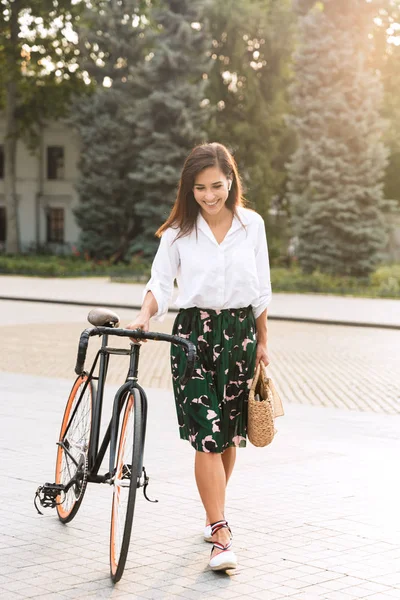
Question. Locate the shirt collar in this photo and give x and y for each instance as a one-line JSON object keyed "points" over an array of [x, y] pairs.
{"points": [[239, 220], [205, 228], [242, 213]]}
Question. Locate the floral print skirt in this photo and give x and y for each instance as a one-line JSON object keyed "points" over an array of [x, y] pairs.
{"points": [[212, 406]]}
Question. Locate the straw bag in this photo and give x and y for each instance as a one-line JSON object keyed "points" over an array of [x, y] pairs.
{"points": [[264, 406]]}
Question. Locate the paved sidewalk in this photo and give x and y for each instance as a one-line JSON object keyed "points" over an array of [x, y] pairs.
{"points": [[314, 516], [344, 367], [309, 307]]}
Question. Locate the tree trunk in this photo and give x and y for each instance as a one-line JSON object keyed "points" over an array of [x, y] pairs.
{"points": [[125, 241], [10, 143], [39, 192]]}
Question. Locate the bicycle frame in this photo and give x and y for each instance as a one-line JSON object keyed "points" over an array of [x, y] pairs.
{"points": [[96, 450], [89, 464], [86, 451]]}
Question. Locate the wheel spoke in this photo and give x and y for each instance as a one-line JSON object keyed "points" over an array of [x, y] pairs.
{"points": [[122, 487], [73, 462], [124, 492]]}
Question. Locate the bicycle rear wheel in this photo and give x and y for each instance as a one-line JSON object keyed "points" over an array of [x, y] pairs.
{"points": [[73, 448], [126, 479]]}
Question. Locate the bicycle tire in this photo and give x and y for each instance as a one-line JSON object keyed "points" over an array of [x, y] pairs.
{"points": [[124, 495], [78, 439]]}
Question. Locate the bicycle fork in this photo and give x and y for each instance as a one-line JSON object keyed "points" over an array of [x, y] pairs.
{"points": [[129, 388]]}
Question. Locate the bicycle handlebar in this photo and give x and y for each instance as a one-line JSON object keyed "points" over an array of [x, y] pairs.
{"points": [[139, 335]]}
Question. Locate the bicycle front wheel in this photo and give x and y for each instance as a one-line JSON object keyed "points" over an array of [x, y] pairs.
{"points": [[126, 481], [73, 447]]}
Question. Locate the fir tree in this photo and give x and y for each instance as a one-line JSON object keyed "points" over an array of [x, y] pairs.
{"points": [[335, 176], [105, 212], [169, 118], [113, 45], [387, 60], [252, 46]]}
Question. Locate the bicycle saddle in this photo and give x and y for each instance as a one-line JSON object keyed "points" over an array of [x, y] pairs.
{"points": [[103, 317]]}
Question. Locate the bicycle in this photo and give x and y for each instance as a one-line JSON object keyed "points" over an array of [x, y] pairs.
{"points": [[79, 452]]}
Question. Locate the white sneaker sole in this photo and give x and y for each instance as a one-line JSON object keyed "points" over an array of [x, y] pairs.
{"points": [[225, 566]]}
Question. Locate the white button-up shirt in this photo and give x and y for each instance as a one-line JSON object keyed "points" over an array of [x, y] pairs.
{"points": [[232, 274]]}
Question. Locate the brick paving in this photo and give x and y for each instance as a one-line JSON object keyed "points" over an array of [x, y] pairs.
{"points": [[315, 515], [344, 367]]}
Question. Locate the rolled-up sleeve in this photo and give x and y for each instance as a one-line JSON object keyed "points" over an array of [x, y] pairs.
{"points": [[263, 271], [163, 272]]}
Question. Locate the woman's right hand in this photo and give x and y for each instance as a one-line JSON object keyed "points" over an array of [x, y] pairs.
{"points": [[141, 322]]}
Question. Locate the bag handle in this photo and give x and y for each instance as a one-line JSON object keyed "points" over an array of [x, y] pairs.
{"points": [[263, 369], [255, 378]]}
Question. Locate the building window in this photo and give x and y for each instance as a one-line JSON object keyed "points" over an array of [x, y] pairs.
{"points": [[55, 162], [1, 162], [55, 225], [2, 224]]}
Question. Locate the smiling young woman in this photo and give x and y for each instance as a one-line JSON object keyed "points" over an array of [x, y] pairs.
{"points": [[217, 251]]}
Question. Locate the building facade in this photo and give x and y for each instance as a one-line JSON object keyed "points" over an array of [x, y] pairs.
{"points": [[46, 194]]}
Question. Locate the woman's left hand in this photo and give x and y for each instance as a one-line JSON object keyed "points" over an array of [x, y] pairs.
{"points": [[262, 354]]}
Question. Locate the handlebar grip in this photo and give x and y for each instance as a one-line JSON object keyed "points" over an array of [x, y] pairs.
{"points": [[190, 360], [82, 349]]}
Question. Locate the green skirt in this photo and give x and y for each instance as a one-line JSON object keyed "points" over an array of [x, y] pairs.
{"points": [[212, 406]]}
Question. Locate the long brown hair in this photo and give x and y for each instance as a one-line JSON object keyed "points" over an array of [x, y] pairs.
{"points": [[185, 210]]}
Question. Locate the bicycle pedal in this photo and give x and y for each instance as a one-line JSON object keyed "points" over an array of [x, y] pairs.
{"points": [[126, 471], [47, 495]]}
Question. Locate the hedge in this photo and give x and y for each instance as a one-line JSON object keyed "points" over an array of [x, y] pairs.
{"points": [[70, 266], [383, 283]]}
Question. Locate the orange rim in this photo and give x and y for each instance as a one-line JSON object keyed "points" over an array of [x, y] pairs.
{"points": [[117, 491], [78, 383]]}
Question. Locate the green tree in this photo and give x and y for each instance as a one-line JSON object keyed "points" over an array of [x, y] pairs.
{"points": [[386, 59], [252, 46], [335, 175], [114, 41], [169, 118], [38, 69], [391, 81]]}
